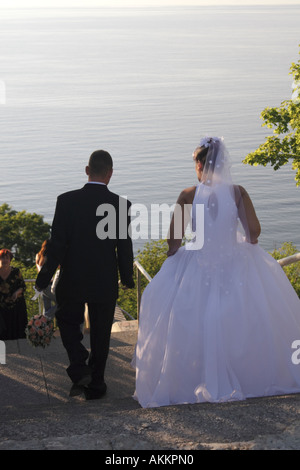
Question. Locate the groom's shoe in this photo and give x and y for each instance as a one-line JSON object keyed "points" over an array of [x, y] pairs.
{"points": [[78, 387], [95, 393], [76, 390]]}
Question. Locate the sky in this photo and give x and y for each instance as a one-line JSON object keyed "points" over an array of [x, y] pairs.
{"points": [[133, 3]]}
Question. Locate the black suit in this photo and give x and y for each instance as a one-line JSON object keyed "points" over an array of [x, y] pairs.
{"points": [[88, 272]]}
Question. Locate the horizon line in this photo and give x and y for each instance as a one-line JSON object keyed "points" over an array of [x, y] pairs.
{"points": [[90, 7]]}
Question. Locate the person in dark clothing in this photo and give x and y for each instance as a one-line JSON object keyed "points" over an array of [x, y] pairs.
{"points": [[13, 311], [89, 260]]}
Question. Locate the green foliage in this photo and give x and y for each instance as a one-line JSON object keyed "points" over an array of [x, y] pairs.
{"points": [[151, 258], [292, 270], [22, 233], [284, 144]]}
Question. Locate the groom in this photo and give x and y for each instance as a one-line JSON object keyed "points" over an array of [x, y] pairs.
{"points": [[88, 272]]}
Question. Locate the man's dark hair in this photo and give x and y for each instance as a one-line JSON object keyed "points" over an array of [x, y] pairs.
{"points": [[100, 163]]}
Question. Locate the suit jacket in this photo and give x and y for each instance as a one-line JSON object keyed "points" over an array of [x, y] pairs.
{"points": [[89, 265]]}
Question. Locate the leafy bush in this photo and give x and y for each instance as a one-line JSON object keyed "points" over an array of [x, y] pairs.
{"points": [[23, 233], [151, 258], [292, 270], [284, 144]]}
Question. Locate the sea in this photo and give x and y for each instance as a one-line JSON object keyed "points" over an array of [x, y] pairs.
{"points": [[144, 84]]}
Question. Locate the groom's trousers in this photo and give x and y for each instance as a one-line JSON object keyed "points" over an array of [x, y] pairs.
{"points": [[70, 317]]}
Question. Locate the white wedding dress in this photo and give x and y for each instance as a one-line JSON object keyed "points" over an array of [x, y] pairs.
{"points": [[217, 323]]}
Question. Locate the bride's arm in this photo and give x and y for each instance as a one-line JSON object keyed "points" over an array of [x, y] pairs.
{"points": [[180, 219], [247, 215]]}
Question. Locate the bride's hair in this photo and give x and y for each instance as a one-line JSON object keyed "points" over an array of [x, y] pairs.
{"points": [[5, 252], [211, 148], [200, 154]]}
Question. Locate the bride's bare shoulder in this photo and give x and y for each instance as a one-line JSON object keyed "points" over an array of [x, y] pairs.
{"points": [[187, 195], [240, 192]]}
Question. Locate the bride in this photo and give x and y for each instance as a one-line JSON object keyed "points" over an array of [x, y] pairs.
{"points": [[218, 321]]}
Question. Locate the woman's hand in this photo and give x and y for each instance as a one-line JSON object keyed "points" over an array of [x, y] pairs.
{"points": [[16, 294]]}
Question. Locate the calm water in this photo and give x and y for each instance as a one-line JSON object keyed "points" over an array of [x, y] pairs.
{"points": [[144, 84]]}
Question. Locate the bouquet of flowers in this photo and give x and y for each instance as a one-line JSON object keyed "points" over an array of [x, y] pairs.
{"points": [[39, 331]]}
